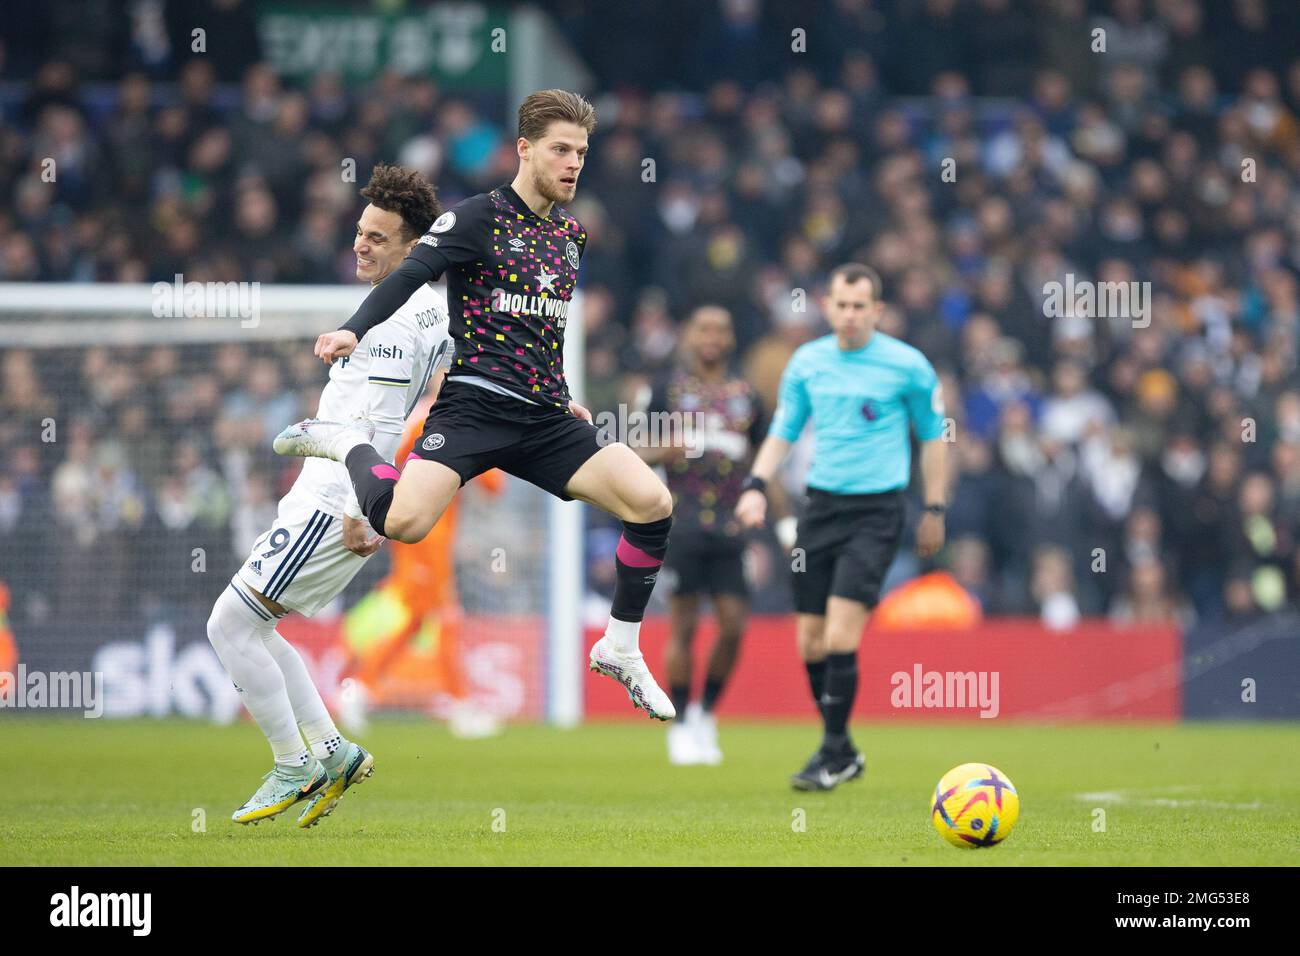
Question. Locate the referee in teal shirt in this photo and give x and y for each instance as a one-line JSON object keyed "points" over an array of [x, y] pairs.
{"points": [[861, 389]]}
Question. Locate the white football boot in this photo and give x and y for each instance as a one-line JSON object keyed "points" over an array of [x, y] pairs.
{"points": [[315, 438], [705, 728], [469, 721], [354, 706], [630, 671], [682, 748]]}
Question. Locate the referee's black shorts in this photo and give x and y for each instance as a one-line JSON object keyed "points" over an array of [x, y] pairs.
{"points": [[706, 562], [848, 542], [471, 430]]}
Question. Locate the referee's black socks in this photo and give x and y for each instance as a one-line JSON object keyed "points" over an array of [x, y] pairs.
{"points": [[817, 682], [637, 561], [837, 699], [373, 480]]}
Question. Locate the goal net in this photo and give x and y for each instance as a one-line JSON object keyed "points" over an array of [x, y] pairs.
{"points": [[138, 471]]}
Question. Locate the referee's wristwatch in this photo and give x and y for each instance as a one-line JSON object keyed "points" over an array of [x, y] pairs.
{"points": [[937, 509]]}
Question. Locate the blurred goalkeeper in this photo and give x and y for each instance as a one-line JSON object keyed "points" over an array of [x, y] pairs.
{"points": [[418, 597], [861, 389], [319, 540]]}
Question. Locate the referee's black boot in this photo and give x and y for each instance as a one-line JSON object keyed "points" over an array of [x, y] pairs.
{"points": [[846, 766], [812, 777], [826, 771]]}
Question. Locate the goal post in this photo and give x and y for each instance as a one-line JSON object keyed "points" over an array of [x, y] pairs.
{"points": [[565, 663]]}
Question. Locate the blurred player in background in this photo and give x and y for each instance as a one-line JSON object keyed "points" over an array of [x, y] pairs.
{"points": [[860, 388], [511, 257], [318, 541], [707, 550], [418, 598]]}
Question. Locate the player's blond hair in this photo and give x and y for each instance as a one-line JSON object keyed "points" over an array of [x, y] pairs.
{"points": [[539, 110]]}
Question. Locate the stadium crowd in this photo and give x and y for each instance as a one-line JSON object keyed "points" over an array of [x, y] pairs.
{"points": [[1144, 465]]}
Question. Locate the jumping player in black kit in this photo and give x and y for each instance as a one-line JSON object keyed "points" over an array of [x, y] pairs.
{"points": [[706, 555], [511, 257]]}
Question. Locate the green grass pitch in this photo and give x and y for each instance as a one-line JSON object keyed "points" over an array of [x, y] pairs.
{"points": [[101, 792]]}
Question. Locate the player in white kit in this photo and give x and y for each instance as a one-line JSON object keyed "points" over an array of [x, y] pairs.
{"points": [[319, 539]]}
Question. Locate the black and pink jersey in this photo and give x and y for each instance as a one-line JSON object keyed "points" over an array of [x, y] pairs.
{"points": [[510, 280], [728, 425]]}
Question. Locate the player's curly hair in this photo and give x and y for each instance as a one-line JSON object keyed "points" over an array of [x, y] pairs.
{"points": [[407, 193], [539, 110]]}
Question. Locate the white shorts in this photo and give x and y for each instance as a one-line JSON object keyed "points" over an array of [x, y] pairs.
{"points": [[301, 562]]}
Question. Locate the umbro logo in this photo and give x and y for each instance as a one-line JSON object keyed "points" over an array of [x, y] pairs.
{"points": [[516, 243], [433, 442]]}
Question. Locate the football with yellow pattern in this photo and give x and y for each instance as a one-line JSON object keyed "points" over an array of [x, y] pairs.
{"points": [[974, 805]]}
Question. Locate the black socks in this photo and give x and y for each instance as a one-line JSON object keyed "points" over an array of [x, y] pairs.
{"points": [[637, 561], [712, 690], [841, 688], [816, 680], [373, 480], [680, 694]]}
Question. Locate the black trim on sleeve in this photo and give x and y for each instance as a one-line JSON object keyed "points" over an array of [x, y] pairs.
{"points": [[389, 296], [435, 259]]}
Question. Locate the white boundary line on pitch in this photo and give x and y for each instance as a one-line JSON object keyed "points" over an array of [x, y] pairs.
{"points": [[1125, 796]]}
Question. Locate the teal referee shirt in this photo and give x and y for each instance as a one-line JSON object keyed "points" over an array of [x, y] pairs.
{"points": [[860, 403]]}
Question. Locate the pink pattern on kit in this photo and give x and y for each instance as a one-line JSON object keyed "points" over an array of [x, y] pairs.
{"points": [[385, 471], [634, 557]]}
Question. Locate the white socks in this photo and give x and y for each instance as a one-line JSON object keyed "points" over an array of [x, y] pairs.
{"points": [[625, 636], [236, 632], [329, 750], [345, 441], [272, 679], [308, 708]]}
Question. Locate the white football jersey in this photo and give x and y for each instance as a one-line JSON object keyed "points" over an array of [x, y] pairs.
{"points": [[383, 379]]}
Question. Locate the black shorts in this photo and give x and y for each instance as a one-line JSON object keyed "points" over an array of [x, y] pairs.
{"points": [[471, 430], [706, 562], [848, 542]]}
